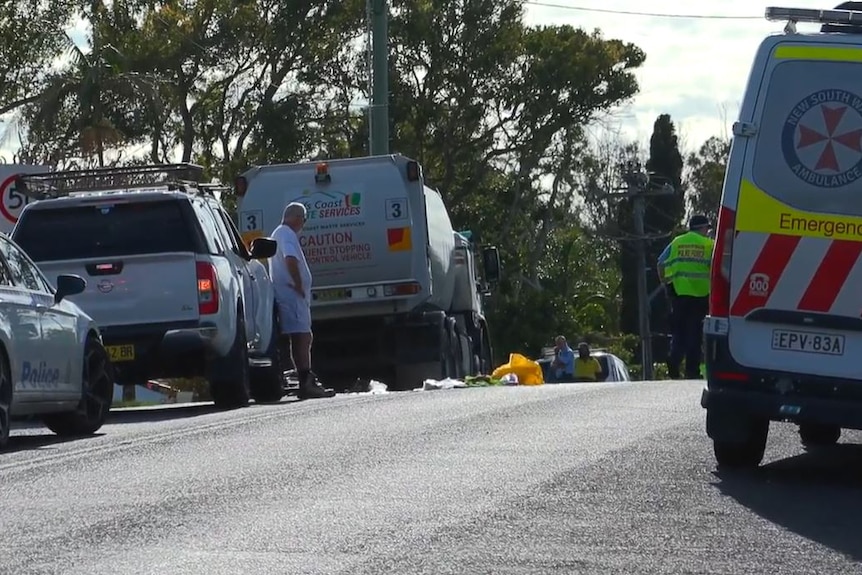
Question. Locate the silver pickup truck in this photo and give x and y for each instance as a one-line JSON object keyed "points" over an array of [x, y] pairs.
{"points": [[173, 288]]}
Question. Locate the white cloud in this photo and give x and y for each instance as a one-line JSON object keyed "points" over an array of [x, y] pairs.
{"points": [[695, 69]]}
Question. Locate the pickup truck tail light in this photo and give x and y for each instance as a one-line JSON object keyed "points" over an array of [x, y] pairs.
{"points": [[207, 289]]}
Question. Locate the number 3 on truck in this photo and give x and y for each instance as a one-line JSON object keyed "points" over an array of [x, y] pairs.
{"points": [[396, 209]]}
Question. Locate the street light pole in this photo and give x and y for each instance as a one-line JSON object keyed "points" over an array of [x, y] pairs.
{"points": [[379, 117]]}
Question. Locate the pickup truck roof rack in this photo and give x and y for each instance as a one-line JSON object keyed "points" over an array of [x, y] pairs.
{"points": [[183, 177]]}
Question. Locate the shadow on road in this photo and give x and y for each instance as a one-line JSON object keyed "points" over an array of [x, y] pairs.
{"points": [[817, 495], [41, 441], [161, 413]]}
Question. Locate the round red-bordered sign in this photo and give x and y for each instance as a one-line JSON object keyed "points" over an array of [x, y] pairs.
{"points": [[6, 188]]}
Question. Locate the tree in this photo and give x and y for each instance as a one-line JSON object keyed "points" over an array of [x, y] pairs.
{"points": [[662, 218], [85, 106], [32, 33], [496, 111], [705, 178]]}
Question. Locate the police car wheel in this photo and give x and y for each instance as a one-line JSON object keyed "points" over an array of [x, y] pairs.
{"points": [[97, 386], [5, 399]]}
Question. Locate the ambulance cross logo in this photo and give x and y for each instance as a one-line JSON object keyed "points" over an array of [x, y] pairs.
{"points": [[822, 139]]}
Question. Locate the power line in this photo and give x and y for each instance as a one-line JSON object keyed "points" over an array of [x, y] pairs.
{"points": [[646, 14]]}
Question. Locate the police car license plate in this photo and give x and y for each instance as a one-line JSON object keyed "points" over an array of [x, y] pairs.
{"points": [[807, 342], [121, 352]]}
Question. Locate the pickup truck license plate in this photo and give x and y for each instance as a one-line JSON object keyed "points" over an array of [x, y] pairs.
{"points": [[807, 342], [121, 352]]}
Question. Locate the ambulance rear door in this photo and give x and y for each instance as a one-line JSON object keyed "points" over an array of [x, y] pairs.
{"points": [[796, 270]]}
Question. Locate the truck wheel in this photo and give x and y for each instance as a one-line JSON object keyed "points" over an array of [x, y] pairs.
{"points": [[97, 395], [5, 399], [229, 375], [743, 454], [267, 383], [487, 360], [814, 435], [455, 352], [447, 361]]}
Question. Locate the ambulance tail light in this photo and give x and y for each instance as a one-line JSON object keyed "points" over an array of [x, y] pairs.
{"points": [[208, 303], [408, 288], [719, 292]]}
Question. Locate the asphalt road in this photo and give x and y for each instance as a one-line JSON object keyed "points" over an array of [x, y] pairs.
{"points": [[584, 478]]}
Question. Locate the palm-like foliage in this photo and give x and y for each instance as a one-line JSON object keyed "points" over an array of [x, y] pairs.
{"points": [[91, 104]]}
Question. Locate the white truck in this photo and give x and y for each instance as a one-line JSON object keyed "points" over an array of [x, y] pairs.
{"points": [[397, 293]]}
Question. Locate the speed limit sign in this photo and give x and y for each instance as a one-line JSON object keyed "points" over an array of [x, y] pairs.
{"points": [[11, 201]]}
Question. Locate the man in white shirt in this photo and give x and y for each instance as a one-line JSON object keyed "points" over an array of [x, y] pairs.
{"points": [[291, 281]]}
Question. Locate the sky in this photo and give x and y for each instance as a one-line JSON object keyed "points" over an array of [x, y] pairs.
{"points": [[696, 66]]}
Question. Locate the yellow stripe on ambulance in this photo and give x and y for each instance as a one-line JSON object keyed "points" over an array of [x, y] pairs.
{"points": [[759, 212]]}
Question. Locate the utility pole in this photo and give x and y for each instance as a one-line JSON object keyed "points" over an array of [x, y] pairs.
{"points": [[379, 107], [638, 187], [644, 327]]}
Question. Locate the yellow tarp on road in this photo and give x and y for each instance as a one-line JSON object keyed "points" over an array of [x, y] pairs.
{"points": [[528, 371]]}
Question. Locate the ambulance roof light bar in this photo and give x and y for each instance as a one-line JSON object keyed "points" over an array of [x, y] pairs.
{"points": [[814, 16]]}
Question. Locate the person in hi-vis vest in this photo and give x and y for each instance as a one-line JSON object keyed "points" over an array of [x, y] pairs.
{"points": [[683, 268]]}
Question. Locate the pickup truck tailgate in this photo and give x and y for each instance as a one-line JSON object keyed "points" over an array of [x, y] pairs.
{"points": [[138, 254], [138, 289]]}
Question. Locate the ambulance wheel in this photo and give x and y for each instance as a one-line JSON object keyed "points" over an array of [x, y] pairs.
{"points": [[97, 394], [814, 435], [745, 454], [5, 398]]}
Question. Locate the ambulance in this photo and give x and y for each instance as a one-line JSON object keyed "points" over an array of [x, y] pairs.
{"points": [[783, 338]]}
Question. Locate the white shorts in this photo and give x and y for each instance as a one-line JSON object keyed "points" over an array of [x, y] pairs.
{"points": [[294, 313]]}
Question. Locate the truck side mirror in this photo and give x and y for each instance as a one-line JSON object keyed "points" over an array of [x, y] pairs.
{"points": [[491, 264]]}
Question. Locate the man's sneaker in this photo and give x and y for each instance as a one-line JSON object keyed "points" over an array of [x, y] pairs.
{"points": [[311, 388]]}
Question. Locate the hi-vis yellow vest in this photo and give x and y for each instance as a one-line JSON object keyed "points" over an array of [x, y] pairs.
{"points": [[687, 265]]}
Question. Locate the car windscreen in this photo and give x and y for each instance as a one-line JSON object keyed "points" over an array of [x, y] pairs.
{"points": [[104, 230]]}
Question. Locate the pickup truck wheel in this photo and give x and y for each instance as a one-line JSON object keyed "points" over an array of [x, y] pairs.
{"points": [[746, 454], [5, 399], [229, 375], [813, 435], [96, 399], [267, 383]]}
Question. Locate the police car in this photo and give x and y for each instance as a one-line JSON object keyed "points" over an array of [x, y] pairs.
{"points": [[52, 362], [783, 339]]}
